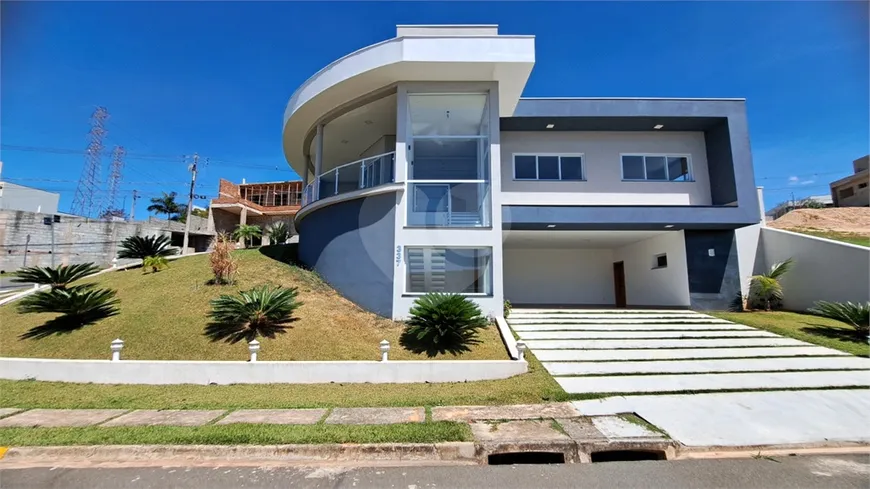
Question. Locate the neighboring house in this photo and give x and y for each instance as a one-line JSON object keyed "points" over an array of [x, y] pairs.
{"points": [[260, 204], [14, 197], [790, 205], [426, 171], [852, 191]]}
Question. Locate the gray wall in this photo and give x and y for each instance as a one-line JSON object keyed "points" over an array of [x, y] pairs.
{"points": [[723, 189], [351, 244], [714, 281], [20, 198]]}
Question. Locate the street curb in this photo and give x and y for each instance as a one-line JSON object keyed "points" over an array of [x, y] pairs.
{"points": [[785, 450]]}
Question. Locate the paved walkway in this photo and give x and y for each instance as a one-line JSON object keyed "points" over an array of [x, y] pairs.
{"points": [[659, 351]]}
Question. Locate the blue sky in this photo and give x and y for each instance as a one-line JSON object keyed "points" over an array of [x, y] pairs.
{"points": [[213, 78]]}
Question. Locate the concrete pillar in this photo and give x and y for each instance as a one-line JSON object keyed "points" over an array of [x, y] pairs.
{"points": [[243, 219], [318, 160], [305, 173], [760, 191]]}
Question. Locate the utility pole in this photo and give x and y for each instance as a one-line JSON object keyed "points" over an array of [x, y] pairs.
{"points": [[133, 208], [192, 169]]}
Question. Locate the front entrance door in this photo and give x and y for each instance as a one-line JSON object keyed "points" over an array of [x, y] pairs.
{"points": [[619, 283]]}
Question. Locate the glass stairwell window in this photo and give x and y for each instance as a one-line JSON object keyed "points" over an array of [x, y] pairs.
{"points": [[448, 160]]}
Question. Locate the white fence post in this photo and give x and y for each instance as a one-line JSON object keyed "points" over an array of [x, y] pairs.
{"points": [[117, 345], [521, 350], [254, 347], [385, 350]]}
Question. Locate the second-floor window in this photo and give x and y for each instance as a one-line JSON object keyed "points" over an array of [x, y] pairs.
{"points": [[656, 168], [548, 167]]}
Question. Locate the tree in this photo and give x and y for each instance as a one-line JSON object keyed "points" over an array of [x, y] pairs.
{"points": [[261, 311], [165, 205], [141, 247], [278, 233], [765, 290], [58, 277], [247, 232]]}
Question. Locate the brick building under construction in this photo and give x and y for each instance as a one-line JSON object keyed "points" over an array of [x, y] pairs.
{"points": [[260, 204]]}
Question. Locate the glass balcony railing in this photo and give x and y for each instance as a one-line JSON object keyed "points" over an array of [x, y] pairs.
{"points": [[360, 174], [449, 204]]}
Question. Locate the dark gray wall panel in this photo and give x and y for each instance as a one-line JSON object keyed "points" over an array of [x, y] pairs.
{"points": [[713, 280], [625, 217], [720, 165], [351, 245]]}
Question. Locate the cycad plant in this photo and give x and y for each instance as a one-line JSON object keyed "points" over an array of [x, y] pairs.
{"points": [[58, 277], [278, 233], [141, 247], [442, 323], [155, 263], [855, 314], [78, 306], [247, 232], [765, 290], [262, 311]]}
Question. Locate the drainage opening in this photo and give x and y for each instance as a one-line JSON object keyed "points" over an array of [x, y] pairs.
{"points": [[517, 458], [627, 455]]}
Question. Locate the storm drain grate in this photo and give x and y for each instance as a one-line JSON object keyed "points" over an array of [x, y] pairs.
{"points": [[627, 455], [526, 458]]}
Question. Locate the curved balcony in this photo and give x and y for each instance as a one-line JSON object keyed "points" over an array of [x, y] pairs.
{"points": [[357, 175]]}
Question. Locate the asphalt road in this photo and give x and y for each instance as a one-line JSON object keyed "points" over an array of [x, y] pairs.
{"points": [[831, 472]]}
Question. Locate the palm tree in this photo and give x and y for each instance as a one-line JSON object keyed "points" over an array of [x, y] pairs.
{"points": [[141, 247], [155, 263], [165, 205], [278, 233], [247, 232], [58, 277], [765, 288]]}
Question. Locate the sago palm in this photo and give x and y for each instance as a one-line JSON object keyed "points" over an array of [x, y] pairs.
{"points": [[78, 306], [262, 311], [58, 277], [442, 323], [141, 247], [765, 288], [278, 233], [247, 232], [855, 314]]}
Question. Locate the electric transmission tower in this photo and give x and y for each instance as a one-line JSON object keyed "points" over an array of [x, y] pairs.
{"points": [[114, 183], [85, 200]]}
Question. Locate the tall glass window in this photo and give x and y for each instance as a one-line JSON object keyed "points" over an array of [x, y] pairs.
{"points": [[448, 160]]}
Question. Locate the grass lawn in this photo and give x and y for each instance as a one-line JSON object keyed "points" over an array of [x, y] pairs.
{"points": [[163, 316], [238, 434], [851, 238], [804, 327]]}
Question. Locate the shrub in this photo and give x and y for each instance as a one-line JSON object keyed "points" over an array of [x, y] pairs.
{"points": [[508, 307], [58, 277], [261, 311], [854, 314], [247, 232], [155, 263], [442, 323], [79, 306], [278, 233], [222, 264], [765, 291], [141, 247]]}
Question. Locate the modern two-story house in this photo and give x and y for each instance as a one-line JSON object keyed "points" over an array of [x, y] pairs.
{"points": [[425, 170]]}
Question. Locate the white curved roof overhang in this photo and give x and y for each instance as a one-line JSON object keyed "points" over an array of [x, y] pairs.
{"points": [[507, 60]]}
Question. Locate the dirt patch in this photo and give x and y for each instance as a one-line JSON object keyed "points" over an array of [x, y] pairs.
{"points": [[854, 220]]}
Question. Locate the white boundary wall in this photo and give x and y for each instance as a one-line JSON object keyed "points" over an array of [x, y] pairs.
{"points": [[182, 372]]}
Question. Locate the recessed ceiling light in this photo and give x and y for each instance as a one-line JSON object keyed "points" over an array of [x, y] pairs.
{"points": [[551, 225], [550, 126], [658, 126], [344, 141], [668, 226], [368, 122]]}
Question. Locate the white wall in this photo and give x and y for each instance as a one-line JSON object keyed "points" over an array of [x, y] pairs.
{"points": [[603, 169], [823, 269], [750, 258], [645, 286], [558, 276], [204, 373], [20, 198]]}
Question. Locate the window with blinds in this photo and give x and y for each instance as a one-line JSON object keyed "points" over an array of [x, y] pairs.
{"points": [[454, 270]]}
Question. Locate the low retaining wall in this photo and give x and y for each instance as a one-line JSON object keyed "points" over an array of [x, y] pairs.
{"points": [[192, 372]]}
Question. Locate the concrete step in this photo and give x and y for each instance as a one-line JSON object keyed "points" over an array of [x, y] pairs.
{"points": [[693, 320], [711, 382], [631, 327], [520, 310], [591, 335], [675, 354], [688, 343], [701, 366], [679, 317]]}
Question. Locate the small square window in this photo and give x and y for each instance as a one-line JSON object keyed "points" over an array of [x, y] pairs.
{"points": [[656, 168], [862, 185], [548, 167], [525, 168], [661, 261], [632, 168], [847, 192], [572, 167]]}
